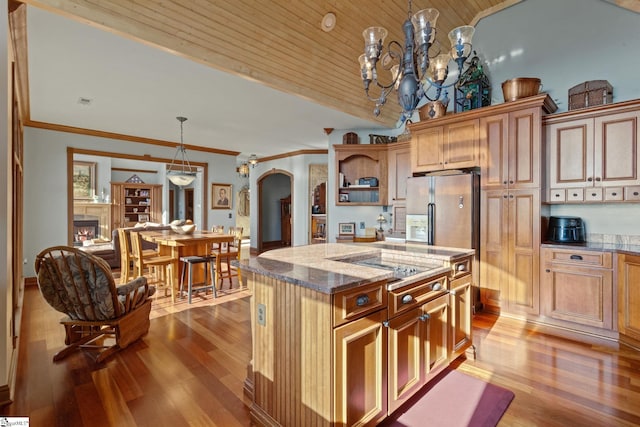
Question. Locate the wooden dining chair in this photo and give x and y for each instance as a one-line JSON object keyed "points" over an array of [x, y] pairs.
{"points": [[158, 269], [128, 265], [224, 256]]}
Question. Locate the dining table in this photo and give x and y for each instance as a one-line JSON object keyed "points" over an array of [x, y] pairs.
{"points": [[179, 245]]}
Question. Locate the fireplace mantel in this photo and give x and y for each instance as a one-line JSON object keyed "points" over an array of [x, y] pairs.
{"points": [[100, 210]]}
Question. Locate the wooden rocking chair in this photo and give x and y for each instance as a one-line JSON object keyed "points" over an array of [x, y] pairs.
{"points": [[81, 286]]}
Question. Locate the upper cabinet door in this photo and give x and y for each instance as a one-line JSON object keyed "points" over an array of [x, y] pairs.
{"points": [[450, 146], [570, 153], [525, 148], [616, 149], [494, 151]]}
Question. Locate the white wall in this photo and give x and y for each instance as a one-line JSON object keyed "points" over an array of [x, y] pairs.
{"points": [[298, 166], [565, 43], [45, 188]]}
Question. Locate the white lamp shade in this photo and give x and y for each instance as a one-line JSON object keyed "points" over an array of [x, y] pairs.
{"points": [[181, 179]]}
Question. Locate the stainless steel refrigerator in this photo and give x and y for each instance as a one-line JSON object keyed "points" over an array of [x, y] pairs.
{"points": [[444, 210]]}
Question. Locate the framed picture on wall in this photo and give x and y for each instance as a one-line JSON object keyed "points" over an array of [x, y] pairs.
{"points": [[221, 196], [84, 180], [347, 228]]}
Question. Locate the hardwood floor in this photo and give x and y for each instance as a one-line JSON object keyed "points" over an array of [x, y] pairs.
{"points": [[190, 368]]}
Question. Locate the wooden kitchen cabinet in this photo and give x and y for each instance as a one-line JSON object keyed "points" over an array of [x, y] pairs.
{"points": [[355, 161], [628, 288], [593, 154], [576, 288], [399, 157], [510, 149], [510, 250], [360, 371], [460, 315], [511, 171], [417, 349], [439, 144]]}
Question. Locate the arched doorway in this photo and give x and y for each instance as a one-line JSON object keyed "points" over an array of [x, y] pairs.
{"points": [[275, 215]]}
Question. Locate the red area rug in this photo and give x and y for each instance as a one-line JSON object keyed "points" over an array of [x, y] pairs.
{"points": [[454, 399]]}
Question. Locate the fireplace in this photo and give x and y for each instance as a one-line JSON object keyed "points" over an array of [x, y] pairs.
{"points": [[85, 227]]}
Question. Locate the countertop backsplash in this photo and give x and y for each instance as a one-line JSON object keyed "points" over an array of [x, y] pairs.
{"points": [[615, 239]]}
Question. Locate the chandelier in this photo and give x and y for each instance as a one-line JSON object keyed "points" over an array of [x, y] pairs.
{"points": [[181, 175], [413, 69]]}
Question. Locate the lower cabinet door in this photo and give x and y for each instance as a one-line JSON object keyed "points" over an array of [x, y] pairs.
{"points": [[406, 358], [435, 315], [460, 316], [360, 371]]}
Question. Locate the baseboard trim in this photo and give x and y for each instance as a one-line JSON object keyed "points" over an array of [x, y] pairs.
{"points": [[31, 281], [5, 395]]}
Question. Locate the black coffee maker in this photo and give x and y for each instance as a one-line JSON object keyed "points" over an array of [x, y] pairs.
{"points": [[566, 229]]}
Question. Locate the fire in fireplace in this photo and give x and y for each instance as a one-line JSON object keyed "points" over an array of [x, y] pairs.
{"points": [[86, 228]]}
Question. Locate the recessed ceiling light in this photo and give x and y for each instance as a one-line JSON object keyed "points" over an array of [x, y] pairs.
{"points": [[85, 101], [328, 22]]}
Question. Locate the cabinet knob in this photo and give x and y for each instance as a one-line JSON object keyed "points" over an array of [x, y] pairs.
{"points": [[635, 193], [436, 286], [407, 299], [511, 196], [614, 194], [593, 194], [575, 194], [511, 182], [504, 182], [598, 179], [385, 323], [504, 196], [557, 195], [576, 257], [548, 271], [590, 179], [362, 300], [424, 317], [453, 292]]}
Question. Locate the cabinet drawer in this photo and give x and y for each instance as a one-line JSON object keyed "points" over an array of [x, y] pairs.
{"points": [[613, 194], [411, 296], [632, 193], [557, 195], [575, 194], [353, 303], [579, 257], [461, 268], [593, 194]]}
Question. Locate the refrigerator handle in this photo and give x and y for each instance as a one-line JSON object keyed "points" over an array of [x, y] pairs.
{"points": [[431, 208]]}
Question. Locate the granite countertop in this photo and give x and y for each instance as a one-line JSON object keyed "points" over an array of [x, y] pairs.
{"points": [[319, 266], [597, 246]]}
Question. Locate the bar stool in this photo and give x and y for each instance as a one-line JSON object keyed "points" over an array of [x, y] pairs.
{"points": [[190, 261]]}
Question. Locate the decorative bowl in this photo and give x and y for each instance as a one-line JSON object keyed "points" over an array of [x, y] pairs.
{"points": [[520, 87]]}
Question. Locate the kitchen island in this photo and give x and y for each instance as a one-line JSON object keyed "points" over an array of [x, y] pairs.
{"points": [[343, 334]]}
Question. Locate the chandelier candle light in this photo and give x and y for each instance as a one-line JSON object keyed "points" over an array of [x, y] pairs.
{"points": [[181, 175], [410, 80]]}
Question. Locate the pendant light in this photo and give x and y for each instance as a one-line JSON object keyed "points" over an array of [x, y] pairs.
{"points": [[181, 175]]}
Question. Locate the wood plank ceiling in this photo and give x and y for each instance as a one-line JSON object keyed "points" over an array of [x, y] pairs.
{"points": [[278, 43]]}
